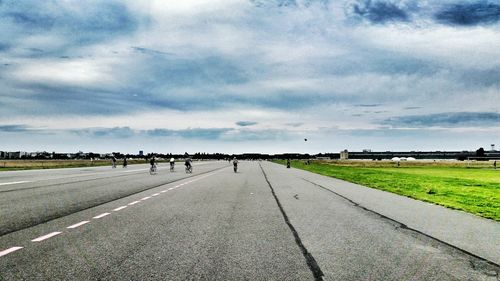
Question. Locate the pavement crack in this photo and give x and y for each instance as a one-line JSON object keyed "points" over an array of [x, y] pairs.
{"points": [[311, 262], [474, 260]]}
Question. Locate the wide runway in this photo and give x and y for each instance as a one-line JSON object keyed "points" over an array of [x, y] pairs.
{"points": [[265, 222]]}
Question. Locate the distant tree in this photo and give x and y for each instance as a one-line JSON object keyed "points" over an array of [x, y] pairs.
{"points": [[480, 152]]}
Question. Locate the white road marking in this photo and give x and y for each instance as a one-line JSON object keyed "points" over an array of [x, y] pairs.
{"points": [[163, 191], [9, 250], [146, 198], [41, 238], [101, 215], [14, 182], [78, 224], [131, 171], [156, 194], [133, 203], [171, 188], [119, 208]]}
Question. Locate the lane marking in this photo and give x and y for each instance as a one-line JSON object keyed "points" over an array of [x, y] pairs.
{"points": [[9, 250], [133, 203], [119, 208], [41, 238], [101, 215], [163, 191], [146, 198], [78, 224], [13, 182], [156, 194]]}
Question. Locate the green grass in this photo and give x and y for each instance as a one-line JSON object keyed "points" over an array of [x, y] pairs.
{"points": [[476, 191]]}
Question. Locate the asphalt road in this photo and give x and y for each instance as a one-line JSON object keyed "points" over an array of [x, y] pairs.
{"points": [[265, 222]]}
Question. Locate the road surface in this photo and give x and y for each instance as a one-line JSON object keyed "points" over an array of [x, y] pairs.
{"points": [[265, 222]]}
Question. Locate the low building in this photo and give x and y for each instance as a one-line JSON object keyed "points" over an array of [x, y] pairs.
{"points": [[344, 155]]}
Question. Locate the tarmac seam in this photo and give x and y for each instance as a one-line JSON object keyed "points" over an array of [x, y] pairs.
{"points": [[310, 261], [404, 226]]}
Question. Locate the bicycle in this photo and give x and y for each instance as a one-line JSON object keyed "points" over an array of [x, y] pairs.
{"points": [[171, 167], [235, 167], [153, 170], [189, 169]]}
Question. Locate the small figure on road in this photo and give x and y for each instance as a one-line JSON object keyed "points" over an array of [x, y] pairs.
{"points": [[153, 168], [172, 164], [189, 166], [235, 164], [288, 163], [125, 162], [113, 162]]}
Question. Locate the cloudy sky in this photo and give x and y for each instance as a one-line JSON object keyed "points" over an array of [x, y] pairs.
{"points": [[249, 75]]}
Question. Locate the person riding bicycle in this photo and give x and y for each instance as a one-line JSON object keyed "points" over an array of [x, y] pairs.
{"points": [[125, 162], [152, 162], [188, 162], [172, 163], [113, 161]]}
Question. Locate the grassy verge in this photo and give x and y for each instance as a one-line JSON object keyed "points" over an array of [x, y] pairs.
{"points": [[12, 165], [476, 191]]}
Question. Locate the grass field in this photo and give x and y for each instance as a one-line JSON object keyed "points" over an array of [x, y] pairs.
{"points": [[10, 165], [450, 184]]}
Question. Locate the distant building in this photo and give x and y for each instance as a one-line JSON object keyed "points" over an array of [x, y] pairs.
{"points": [[16, 154], [344, 155]]}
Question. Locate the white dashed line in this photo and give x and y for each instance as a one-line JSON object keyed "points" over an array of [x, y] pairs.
{"points": [[9, 250], [41, 238], [14, 182], [156, 194], [133, 203], [101, 215], [78, 224], [163, 191], [119, 208], [146, 198]]}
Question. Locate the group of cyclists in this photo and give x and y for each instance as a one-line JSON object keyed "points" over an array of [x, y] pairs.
{"points": [[187, 163], [113, 161]]}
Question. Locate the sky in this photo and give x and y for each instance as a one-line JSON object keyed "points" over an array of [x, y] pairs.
{"points": [[239, 76]]}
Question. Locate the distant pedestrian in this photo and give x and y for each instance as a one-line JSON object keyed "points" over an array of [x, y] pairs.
{"points": [[495, 164], [398, 164], [288, 163], [125, 162]]}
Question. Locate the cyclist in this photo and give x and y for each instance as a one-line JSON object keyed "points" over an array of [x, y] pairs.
{"points": [[125, 162], [172, 164], [189, 166], [235, 164], [152, 162], [113, 161]]}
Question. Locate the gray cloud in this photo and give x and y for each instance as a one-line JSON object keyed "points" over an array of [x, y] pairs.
{"points": [[378, 11], [469, 13], [14, 128], [246, 123], [294, 124], [115, 132], [450, 119]]}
